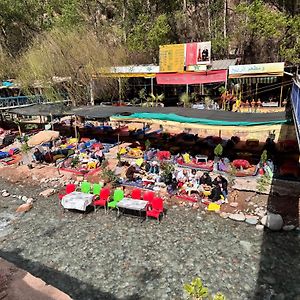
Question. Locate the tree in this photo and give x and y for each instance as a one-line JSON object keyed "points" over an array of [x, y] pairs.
{"points": [[64, 53]]}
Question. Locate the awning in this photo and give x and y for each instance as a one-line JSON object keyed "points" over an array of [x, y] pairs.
{"points": [[192, 78], [254, 80], [257, 70], [124, 75]]}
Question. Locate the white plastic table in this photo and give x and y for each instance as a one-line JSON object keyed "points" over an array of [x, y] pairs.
{"points": [[132, 204], [77, 200]]}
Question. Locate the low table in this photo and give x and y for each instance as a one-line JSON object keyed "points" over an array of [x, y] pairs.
{"points": [[77, 200], [132, 204]]}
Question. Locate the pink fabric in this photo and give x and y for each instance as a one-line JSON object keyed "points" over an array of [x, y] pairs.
{"points": [[192, 77]]}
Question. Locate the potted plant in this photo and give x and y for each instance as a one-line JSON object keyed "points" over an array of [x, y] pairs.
{"points": [[185, 100], [167, 172], [218, 151], [263, 160], [147, 145]]}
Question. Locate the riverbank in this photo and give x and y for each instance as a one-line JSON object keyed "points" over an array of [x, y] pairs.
{"points": [[96, 256]]}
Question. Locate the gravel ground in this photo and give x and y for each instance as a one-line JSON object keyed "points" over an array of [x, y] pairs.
{"points": [[96, 256]]}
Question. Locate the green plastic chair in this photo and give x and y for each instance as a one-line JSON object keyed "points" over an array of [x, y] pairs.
{"points": [[85, 187], [118, 196], [97, 187]]}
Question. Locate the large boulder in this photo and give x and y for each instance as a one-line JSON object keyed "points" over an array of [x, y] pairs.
{"points": [[272, 221]]}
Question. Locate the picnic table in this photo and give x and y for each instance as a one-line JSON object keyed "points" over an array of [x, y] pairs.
{"points": [[77, 200], [131, 204]]}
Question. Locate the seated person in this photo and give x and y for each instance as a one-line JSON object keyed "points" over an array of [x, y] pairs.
{"points": [[215, 193], [193, 178], [38, 156], [131, 171], [99, 155], [182, 177], [205, 180], [223, 184]]}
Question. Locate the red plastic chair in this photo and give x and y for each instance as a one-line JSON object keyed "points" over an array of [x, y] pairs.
{"points": [[136, 194], [155, 209], [103, 199], [70, 188], [148, 196]]}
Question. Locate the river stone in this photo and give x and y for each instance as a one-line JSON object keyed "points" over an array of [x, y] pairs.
{"points": [[5, 194], [47, 192], [24, 198], [288, 227], [259, 227], [252, 220], [237, 217], [272, 221], [224, 215]]}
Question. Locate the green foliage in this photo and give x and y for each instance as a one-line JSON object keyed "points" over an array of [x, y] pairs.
{"points": [[25, 148], [147, 144], [197, 291], [263, 182], [147, 34], [167, 172], [109, 176], [218, 151], [222, 89], [185, 99], [264, 156], [75, 161], [219, 296]]}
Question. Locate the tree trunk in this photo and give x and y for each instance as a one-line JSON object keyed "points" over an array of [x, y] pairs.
{"points": [[184, 5], [124, 18], [225, 19], [208, 18]]}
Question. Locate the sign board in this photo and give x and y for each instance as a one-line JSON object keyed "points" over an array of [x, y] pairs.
{"points": [[270, 69], [198, 53], [171, 58], [197, 68], [295, 99], [135, 69]]}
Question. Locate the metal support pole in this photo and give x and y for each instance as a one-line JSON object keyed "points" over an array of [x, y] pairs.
{"points": [[256, 88], [187, 89], [51, 118], [281, 93], [152, 87], [120, 90], [92, 97]]}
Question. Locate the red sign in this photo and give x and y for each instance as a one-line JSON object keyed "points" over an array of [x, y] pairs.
{"points": [[192, 78], [191, 54]]}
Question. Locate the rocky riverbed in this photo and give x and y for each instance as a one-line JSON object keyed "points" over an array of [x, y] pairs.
{"points": [[96, 256]]}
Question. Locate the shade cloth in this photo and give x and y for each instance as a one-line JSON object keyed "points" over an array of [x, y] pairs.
{"points": [[192, 78], [182, 119], [42, 137]]}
